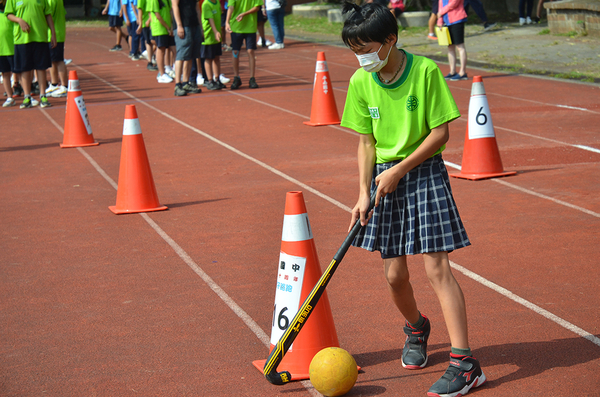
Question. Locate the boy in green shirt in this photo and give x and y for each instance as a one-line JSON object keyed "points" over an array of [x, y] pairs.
{"points": [[211, 47], [162, 32], [32, 19], [7, 51], [58, 72], [241, 22]]}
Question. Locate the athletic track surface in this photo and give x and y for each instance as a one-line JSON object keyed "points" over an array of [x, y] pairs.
{"points": [[179, 302]]}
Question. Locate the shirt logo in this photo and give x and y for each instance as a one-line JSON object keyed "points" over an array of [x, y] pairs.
{"points": [[412, 103], [374, 112]]}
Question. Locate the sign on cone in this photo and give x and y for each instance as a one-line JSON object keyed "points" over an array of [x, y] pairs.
{"points": [[481, 158], [298, 272], [78, 131], [323, 110], [136, 191]]}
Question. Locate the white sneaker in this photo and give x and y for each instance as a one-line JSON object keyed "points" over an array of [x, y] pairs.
{"points": [[34, 102], [224, 79], [60, 92], [269, 42], [9, 102], [276, 46], [51, 88], [521, 21], [68, 61], [529, 21], [259, 42], [145, 55], [164, 78], [199, 80]]}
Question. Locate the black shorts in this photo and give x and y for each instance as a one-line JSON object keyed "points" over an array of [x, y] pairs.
{"points": [[238, 38], [147, 35], [57, 54], [115, 21], [457, 33], [211, 51], [164, 41], [260, 17], [434, 6], [32, 56], [7, 63]]}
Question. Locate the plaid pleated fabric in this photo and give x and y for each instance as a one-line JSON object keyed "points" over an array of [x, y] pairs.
{"points": [[420, 216]]}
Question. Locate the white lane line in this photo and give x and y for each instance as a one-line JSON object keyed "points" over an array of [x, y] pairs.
{"points": [[259, 332], [531, 192]]}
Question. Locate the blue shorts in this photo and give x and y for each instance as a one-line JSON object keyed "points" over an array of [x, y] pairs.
{"points": [[7, 63], [57, 54], [211, 51], [238, 38], [115, 21], [32, 56], [420, 216], [188, 48]]}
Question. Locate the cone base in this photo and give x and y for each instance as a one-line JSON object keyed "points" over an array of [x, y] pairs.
{"points": [[260, 365], [62, 145], [476, 177], [117, 211], [315, 124]]}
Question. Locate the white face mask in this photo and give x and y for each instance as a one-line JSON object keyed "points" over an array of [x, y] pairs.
{"points": [[371, 63]]}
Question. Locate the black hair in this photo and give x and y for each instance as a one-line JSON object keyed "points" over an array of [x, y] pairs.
{"points": [[370, 22]]}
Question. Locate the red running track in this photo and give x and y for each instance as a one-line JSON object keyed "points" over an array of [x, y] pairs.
{"points": [[179, 303]]}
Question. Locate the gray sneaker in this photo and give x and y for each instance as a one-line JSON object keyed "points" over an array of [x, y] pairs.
{"points": [[461, 375], [414, 354], [191, 88], [179, 91]]}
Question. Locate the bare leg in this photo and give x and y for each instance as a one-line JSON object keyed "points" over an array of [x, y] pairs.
{"points": [[398, 278], [450, 296]]}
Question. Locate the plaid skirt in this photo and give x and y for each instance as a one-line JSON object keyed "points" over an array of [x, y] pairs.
{"points": [[420, 216]]}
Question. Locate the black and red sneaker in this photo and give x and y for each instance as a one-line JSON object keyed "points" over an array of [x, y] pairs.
{"points": [[463, 373], [414, 354]]}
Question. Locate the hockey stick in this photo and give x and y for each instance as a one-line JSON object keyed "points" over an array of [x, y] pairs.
{"points": [[286, 340]]}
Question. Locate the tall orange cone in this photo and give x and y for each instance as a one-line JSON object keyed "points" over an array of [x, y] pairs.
{"points": [[78, 131], [481, 158], [298, 272], [136, 191], [323, 110]]}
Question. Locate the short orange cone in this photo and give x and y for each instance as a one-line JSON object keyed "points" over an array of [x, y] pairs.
{"points": [[298, 272], [78, 131], [136, 191], [481, 158], [323, 111]]}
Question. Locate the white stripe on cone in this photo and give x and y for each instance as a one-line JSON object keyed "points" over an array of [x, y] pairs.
{"points": [[131, 127], [296, 228]]}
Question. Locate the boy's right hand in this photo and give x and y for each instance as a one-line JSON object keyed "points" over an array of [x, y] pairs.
{"points": [[360, 211], [104, 11], [180, 32], [24, 26]]}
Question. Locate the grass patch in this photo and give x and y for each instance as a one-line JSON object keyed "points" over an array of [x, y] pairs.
{"points": [[87, 22], [321, 25]]}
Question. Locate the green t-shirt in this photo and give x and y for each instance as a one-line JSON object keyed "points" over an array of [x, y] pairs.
{"points": [[34, 13], [7, 46], [156, 27], [57, 10], [143, 5], [248, 23], [400, 116], [212, 11]]}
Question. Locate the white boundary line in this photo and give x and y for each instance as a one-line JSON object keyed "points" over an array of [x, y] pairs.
{"points": [[261, 335]]}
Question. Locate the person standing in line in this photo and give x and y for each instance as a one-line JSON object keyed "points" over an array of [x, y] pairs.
{"points": [[59, 78], [115, 22], [188, 41], [452, 14], [7, 55], [211, 47], [525, 9], [276, 15], [241, 23], [479, 10], [130, 15]]}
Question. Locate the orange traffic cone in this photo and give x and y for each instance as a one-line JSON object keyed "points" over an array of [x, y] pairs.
{"points": [[136, 191], [78, 131], [481, 158], [323, 111], [298, 272]]}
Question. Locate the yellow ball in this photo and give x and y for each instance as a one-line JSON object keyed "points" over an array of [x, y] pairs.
{"points": [[333, 371]]}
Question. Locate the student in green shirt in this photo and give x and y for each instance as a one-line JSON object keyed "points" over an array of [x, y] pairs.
{"points": [[241, 23], [400, 105], [7, 51], [32, 19], [162, 31], [58, 72], [211, 46]]}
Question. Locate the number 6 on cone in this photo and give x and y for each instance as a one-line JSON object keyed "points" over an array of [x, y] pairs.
{"points": [[286, 340]]}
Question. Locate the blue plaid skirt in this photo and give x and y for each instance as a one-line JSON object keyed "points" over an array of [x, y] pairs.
{"points": [[420, 216]]}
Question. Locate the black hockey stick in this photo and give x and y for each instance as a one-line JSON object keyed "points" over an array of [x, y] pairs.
{"points": [[286, 340]]}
